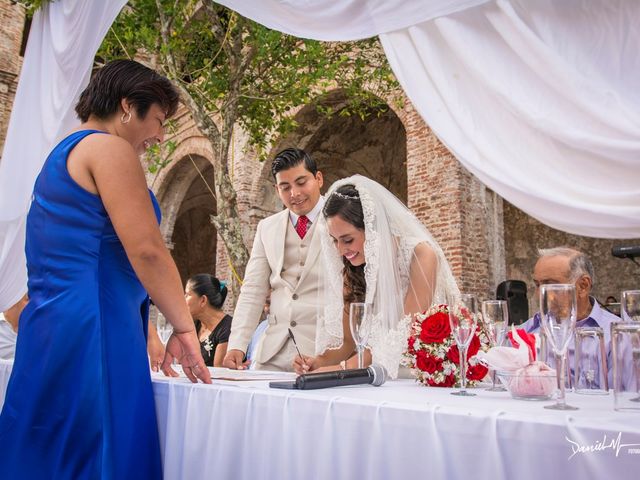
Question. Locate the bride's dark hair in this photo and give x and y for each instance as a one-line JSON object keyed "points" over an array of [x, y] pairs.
{"points": [[345, 203]]}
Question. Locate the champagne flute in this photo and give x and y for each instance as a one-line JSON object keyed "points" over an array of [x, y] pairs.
{"points": [[495, 318], [164, 328], [360, 325], [463, 317], [558, 311]]}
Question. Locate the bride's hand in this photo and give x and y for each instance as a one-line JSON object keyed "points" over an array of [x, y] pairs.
{"points": [[309, 364], [185, 347]]}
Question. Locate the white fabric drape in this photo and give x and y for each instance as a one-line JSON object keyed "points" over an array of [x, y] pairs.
{"points": [[342, 20], [538, 99], [62, 44]]}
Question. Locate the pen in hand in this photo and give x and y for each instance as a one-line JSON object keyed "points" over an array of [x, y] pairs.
{"points": [[293, 339]]}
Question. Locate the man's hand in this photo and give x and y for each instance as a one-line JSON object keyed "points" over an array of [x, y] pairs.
{"points": [[233, 359]]}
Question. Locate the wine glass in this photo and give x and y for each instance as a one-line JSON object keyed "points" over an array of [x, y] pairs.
{"points": [[463, 317], [558, 317], [360, 325], [630, 312], [495, 318], [630, 306], [164, 328]]}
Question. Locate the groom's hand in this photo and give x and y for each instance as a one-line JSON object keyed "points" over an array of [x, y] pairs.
{"points": [[233, 359]]}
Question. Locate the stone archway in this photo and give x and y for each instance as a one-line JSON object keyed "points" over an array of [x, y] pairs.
{"points": [[375, 146], [187, 204]]}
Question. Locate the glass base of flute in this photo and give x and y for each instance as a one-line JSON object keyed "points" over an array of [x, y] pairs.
{"points": [[561, 402]]}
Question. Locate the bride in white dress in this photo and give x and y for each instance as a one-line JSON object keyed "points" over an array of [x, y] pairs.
{"points": [[374, 251]]}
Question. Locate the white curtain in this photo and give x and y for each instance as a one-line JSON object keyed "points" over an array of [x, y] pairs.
{"points": [[342, 20], [539, 99], [62, 44]]}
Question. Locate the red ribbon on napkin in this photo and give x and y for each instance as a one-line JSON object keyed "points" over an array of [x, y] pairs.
{"points": [[528, 338]]}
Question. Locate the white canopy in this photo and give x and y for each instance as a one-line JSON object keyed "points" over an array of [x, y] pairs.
{"points": [[539, 100]]}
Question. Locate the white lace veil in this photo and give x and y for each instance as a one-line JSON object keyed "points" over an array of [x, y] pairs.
{"points": [[391, 234]]}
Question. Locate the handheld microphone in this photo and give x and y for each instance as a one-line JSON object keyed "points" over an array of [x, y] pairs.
{"points": [[626, 252], [375, 375]]}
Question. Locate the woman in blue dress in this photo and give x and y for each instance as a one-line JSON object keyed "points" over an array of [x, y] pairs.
{"points": [[79, 403]]}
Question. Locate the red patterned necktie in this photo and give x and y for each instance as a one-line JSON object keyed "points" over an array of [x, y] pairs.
{"points": [[301, 226]]}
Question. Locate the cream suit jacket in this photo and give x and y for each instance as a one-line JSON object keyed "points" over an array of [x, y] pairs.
{"points": [[292, 306]]}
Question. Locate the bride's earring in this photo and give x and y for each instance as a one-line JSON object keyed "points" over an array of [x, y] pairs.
{"points": [[125, 117]]}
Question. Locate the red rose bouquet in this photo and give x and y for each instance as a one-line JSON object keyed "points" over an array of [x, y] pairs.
{"points": [[433, 355]]}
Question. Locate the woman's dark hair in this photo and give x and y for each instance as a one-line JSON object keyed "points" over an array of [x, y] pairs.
{"points": [[292, 157], [345, 203], [205, 284], [128, 79]]}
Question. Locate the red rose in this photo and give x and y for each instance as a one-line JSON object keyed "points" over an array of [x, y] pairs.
{"points": [[477, 372], [411, 342], [435, 328], [454, 354], [474, 346], [449, 381], [428, 363]]}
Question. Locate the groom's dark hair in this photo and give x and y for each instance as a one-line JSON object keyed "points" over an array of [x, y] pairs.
{"points": [[292, 157]]}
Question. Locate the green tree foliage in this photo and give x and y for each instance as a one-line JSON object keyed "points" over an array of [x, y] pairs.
{"points": [[32, 5], [232, 71]]}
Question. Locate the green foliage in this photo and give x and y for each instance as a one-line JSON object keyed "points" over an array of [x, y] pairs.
{"points": [[158, 156], [245, 73], [32, 5]]}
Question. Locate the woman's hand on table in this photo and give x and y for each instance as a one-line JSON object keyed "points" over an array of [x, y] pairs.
{"points": [[185, 348]]}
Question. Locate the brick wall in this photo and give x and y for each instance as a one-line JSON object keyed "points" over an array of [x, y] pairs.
{"points": [[12, 22], [463, 216]]}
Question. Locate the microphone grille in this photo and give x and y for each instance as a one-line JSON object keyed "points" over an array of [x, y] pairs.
{"points": [[379, 375]]}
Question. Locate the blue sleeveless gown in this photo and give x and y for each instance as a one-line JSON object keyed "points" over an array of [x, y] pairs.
{"points": [[79, 402]]}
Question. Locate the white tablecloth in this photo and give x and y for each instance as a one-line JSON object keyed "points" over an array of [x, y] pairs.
{"points": [[244, 430]]}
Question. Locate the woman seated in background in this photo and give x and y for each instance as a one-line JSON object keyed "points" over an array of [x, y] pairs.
{"points": [[205, 295]]}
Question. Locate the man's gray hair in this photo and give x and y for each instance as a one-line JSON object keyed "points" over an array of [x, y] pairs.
{"points": [[579, 263]]}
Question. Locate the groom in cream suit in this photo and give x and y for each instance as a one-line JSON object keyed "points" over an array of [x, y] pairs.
{"points": [[284, 260]]}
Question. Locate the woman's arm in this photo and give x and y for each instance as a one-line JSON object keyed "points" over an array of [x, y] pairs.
{"points": [[155, 348], [221, 351], [120, 182], [422, 279]]}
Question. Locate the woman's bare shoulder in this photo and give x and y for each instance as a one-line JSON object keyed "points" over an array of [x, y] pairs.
{"points": [[423, 253], [106, 144]]}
